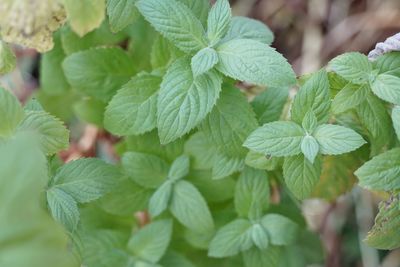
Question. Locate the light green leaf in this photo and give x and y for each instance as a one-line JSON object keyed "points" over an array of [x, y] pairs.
{"points": [[120, 13], [262, 162], [201, 152], [224, 166], [147, 170], [53, 135], [199, 8], [179, 168], [90, 110], [252, 193], [159, 201], [259, 236], [11, 113], [231, 239], [63, 208], [189, 208], [279, 138], [349, 97], [269, 104], [86, 179], [381, 172], [85, 15], [99, 72], [309, 122], [204, 61], [260, 258], [133, 110], [387, 87], [385, 233], [184, 101], [255, 62], [151, 242], [312, 96], [176, 22], [335, 139], [218, 21], [163, 53], [353, 66], [281, 230], [7, 58], [309, 147], [175, 259], [389, 63], [396, 120], [301, 175], [247, 28]]}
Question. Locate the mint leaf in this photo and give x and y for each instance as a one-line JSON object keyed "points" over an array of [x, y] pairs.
{"points": [[98, 72], [281, 230], [7, 58], [120, 13], [279, 138], [309, 148], [85, 16], [349, 97], [53, 135], [386, 87], [247, 28], [201, 152], [159, 201], [312, 96], [133, 109], [396, 120], [269, 104], [260, 161], [90, 110], [163, 53], [252, 61], [147, 170], [184, 101], [252, 193], [199, 8], [176, 22], [389, 63], [189, 208], [270, 257], [335, 139], [63, 208], [11, 113], [381, 172], [218, 21], [353, 66], [309, 122], [203, 61], [224, 166], [259, 236], [151, 242], [301, 175], [179, 168], [86, 179], [231, 239]]}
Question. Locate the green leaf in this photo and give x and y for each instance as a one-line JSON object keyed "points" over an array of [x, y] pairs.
{"points": [[309, 122], [396, 120], [175, 259], [231, 239], [11, 113], [259, 258], [312, 96], [184, 101], [259, 236], [224, 166], [163, 53], [301, 175], [201, 152], [335, 139], [260, 161], [99, 72], [387, 87], [204, 61], [147, 170], [252, 61], [189, 208], [269, 104], [90, 110], [389, 63], [385, 233], [199, 8], [349, 97], [252, 193], [86, 179], [121, 13], [63, 208], [309, 148], [7, 58], [218, 21], [247, 28], [381, 172], [279, 138], [353, 66], [85, 15], [159, 201], [53, 135], [151, 242], [133, 110], [281, 230], [179, 168], [176, 22]]}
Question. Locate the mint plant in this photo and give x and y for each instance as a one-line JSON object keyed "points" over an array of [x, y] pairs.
{"points": [[212, 156]]}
